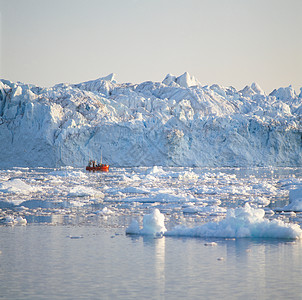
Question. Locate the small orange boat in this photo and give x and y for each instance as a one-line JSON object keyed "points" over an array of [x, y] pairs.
{"points": [[93, 166]]}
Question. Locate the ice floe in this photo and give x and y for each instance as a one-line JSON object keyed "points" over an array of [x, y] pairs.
{"points": [[11, 220], [243, 222], [295, 201], [83, 191], [16, 186]]}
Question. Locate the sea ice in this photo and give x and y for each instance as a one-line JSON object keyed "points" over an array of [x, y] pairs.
{"points": [[241, 222], [83, 191], [11, 220], [16, 186], [295, 201], [153, 224]]}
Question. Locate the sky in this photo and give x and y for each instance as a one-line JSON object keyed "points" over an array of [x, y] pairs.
{"points": [[227, 42]]}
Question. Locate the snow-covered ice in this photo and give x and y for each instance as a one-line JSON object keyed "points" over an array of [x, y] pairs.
{"points": [[176, 122]]}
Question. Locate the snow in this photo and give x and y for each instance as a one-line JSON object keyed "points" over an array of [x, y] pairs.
{"points": [[177, 122]]}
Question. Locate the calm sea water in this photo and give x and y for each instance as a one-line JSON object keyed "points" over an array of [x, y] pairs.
{"points": [[41, 261]]}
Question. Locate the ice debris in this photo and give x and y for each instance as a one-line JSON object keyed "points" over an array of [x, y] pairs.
{"points": [[16, 186], [295, 201], [12, 220], [153, 224], [242, 222]]}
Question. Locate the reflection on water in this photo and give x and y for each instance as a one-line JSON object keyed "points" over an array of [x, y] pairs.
{"points": [[159, 263], [51, 219], [43, 262], [91, 258]]}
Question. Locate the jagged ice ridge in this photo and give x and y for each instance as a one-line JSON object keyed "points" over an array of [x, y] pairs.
{"points": [[176, 122]]}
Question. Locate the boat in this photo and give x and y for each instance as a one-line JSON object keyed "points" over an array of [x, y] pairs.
{"points": [[93, 166]]}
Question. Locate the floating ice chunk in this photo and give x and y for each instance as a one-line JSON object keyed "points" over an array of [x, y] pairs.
{"points": [[73, 237], [133, 228], [241, 223], [269, 212], [104, 211], [295, 201], [212, 244], [74, 203], [11, 220], [32, 204], [153, 224], [161, 196], [82, 191], [191, 209], [261, 201], [16, 186], [68, 173], [186, 176], [208, 210], [21, 221], [156, 170], [289, 214], [8, 220], [134, 190]]}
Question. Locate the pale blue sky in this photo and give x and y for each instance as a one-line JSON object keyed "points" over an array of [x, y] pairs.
{"points": [[229, 42]]}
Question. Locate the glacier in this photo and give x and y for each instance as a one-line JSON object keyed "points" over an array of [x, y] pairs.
{"points": [[176, 122]]}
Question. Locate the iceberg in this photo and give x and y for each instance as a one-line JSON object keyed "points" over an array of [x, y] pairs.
{"points": [[153, 224], [176, 122], [242, 222]]}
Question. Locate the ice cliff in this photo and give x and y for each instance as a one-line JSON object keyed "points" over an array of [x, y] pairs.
{"points": [[177, 122]]}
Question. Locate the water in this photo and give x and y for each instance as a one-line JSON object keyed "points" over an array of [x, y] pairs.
{"points": [[74, 245], [89, 262]]}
